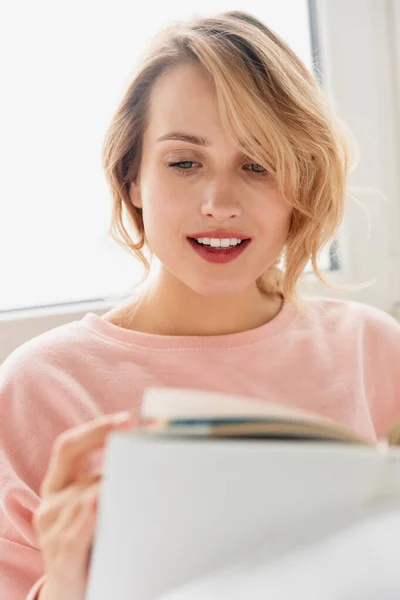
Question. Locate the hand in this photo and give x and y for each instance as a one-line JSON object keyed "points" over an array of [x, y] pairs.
{"points": [[65, 520]]}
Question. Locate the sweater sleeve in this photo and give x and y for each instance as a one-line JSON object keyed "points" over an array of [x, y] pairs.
{"points": [[381, 342], [34, 409], [23, 454]]}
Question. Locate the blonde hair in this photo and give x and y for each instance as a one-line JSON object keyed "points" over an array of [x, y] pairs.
{"points": [[275, 110]]}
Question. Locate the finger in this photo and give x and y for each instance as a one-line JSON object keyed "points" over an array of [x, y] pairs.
{"points": [[68, 539], [75, 525], [89, 473], [83, 527], [73, 445], [50, 510]]}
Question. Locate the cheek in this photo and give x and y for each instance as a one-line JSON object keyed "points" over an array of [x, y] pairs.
{"points": [[274, 216], [163, 214]]}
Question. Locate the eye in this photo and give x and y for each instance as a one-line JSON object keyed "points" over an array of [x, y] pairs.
{"points": [[257, 169], [183, 167]]}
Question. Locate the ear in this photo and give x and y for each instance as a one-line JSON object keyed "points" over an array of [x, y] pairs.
{"points": [[134, 194]]}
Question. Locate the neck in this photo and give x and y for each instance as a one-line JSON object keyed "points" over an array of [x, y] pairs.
{"points": [[166, 306]]}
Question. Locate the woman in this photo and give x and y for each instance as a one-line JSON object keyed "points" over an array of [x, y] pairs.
{"points": [[224, 159]]}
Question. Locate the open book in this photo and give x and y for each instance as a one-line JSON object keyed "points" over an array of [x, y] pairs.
{"points": [[208, 479], [187, 412]]}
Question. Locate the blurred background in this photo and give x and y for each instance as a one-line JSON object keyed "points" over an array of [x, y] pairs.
{"points": [[65, 68]]}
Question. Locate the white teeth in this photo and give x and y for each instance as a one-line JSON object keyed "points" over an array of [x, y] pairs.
{"points": [[219, 242]]}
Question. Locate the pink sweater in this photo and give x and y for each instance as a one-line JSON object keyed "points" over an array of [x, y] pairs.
{"points": [[344, 364]]}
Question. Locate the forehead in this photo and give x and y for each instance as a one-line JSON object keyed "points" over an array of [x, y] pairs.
{"points": [[183, 97], [184, 100]]}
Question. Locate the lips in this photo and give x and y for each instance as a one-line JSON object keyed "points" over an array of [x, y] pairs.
{"points": [[219, 233], [219, 255]]}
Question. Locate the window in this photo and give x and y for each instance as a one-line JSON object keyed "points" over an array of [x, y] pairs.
{"points": [[67, 67], [358, 46]]}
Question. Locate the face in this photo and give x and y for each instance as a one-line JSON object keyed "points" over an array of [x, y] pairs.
{"points": [[195, 184]]}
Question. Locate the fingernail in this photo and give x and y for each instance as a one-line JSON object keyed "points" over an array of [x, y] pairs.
{"points": [[122, 417]]}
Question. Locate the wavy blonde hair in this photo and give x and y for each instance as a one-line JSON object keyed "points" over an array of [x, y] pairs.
{"points": [[275, 110]]}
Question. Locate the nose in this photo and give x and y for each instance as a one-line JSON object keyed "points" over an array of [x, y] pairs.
{"points": [[221, 201]]}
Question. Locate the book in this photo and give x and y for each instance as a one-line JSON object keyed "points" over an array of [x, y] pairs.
{"points": [[182, 496], [361, 562], [170, 411]]}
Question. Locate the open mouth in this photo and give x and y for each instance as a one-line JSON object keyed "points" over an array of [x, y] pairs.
{"points": [[219, 250], [218, 245]]}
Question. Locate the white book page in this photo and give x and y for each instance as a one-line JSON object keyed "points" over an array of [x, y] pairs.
{"points": [[171, 511], [360, 562]]}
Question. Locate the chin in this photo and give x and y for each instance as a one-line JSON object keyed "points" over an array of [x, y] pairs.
{"points": [[219, 288]]}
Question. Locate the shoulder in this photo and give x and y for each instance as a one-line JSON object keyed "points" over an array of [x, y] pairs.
{"points": [[44, 381], [352, 316], [365, 345], [43, 354]]}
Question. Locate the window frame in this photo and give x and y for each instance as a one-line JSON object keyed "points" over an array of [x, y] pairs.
{"points": [[367, 100]]}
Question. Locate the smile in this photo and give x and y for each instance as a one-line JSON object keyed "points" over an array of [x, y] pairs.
{"points": [[219, 250], [219, 243]]}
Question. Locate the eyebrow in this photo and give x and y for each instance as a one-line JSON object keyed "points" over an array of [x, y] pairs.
{"points": [[185, 137]]}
